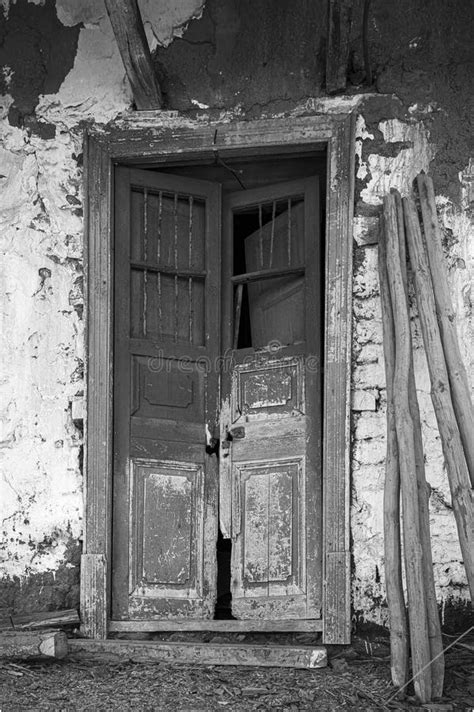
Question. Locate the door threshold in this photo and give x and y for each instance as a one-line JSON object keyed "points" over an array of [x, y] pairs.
{"points": [[288, 656], [219, 626]]}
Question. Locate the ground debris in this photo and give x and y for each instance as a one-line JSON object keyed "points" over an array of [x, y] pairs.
{"points": [[360, 680]]}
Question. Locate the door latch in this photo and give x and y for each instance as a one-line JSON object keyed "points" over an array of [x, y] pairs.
{"points": [[233, 434]]}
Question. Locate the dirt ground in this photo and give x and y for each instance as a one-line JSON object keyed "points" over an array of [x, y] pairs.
{"points": [[357, 678]]}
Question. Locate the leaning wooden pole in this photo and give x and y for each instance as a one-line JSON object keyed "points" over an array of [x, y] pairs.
{"points": [[432, 612], [420, 649], [129, 32], [391, 497], [457, 375], [458, 475]]}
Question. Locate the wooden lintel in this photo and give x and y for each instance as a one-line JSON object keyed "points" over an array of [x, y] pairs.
{"points": [[133, 45], [338, 44], [308, 657], [31, 643]]}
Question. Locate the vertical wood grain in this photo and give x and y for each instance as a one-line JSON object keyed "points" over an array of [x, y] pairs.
{"points": [[391, 505], [420, 649], [461, 392], [458, 474], [129, 32], [336, 415], [98, 425]]}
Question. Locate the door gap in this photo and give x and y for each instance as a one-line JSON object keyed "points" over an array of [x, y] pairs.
{"points": [[223, 609]]}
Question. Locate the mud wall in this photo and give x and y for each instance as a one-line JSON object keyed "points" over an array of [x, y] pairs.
{"points": [[61, 71]]}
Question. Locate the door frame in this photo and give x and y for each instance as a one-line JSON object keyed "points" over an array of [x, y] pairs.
{"points": [[159, 138]]}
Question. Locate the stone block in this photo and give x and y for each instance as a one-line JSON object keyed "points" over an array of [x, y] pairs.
{"points": [[363, 400]]}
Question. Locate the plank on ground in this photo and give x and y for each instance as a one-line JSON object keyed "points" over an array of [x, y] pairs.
{"points": [[308, 657], [45, 619], [32, 643]]}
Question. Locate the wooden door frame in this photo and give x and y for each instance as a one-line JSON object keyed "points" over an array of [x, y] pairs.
{"points": [[154, 137]]}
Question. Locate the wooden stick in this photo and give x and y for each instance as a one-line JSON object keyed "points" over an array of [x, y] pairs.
{"points": [[420, 649], [434, 626], [391, 501], [32, 643], [133, 45], [460, 390], [458, 475]]}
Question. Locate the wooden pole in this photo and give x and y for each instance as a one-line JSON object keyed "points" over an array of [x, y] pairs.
{"points": [[457, 375], [133, 45], [458, 475], [391, 499], [434, 626], [420, 649]]}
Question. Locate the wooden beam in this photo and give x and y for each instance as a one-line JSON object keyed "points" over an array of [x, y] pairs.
{"points": [[217, 626], [133, 45], [456, 466], [41, 620], [432, 614], [458, 380], [420, 649], [391, 503], [308, 657], [30, 643], [338, 44]]}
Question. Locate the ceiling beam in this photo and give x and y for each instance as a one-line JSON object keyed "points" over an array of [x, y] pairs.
{"points": [[133, 45]]}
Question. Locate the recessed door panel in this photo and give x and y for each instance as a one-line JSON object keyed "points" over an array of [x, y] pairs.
{"points": [[270, 455], [165, 483]]}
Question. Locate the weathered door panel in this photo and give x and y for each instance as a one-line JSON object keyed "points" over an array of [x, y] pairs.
{"points": [[165, 400], [270, 450]]}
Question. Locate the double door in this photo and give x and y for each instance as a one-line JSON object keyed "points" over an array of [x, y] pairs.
{"points": [[217, 399]]}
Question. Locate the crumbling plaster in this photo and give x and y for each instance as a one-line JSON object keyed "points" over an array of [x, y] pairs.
{"points": [[42, 343]]}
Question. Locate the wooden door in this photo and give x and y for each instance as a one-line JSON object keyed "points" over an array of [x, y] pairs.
{"points": [[165, 396], [270, 474]]}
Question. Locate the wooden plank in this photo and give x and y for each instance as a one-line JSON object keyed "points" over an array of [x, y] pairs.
{"points": [[432, 613], [129, 32], [306, 657], [94, 595], [337, 594], [420, 649], [45, 619], [219, 626], [338, 45], [336, 415], [392, 533], [266, 274], [27, 644], [98, 375], [458, 381], [458, 474]]}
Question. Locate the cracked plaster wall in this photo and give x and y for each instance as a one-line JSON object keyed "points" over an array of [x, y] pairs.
{"points": [[41, 236]]}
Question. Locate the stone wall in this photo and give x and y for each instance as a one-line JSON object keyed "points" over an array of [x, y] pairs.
{"points": [[413, 118]]}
